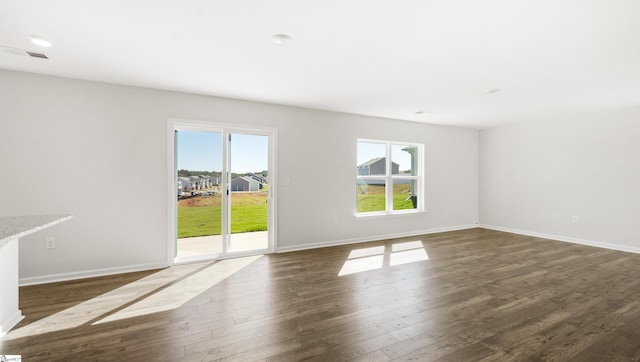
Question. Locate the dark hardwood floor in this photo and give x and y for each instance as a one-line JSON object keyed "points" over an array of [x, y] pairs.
{"points": [[466, 295]]}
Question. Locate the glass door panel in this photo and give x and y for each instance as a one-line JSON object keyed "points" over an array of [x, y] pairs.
{"points": [[199, 160], [248, 200]]}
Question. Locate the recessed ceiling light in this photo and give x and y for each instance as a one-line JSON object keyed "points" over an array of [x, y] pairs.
{"points": [[39, 41], [281, 39], [492, 90]]}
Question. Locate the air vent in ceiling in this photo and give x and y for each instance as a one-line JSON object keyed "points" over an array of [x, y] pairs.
{"points": [[23, 52], [37, 55], [14, 51]]}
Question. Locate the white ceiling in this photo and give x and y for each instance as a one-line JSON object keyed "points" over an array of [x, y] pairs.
{"points": [[373, 57]]}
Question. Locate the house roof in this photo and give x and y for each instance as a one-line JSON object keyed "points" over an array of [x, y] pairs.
{"points": [[375, 160], [371, 161], [258, 178], [246, 178]]}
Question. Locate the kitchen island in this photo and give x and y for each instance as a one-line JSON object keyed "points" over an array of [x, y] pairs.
{"points": [[12, 228]]}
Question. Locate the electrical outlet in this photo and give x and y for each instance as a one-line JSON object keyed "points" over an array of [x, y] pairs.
{"points": [[555, 217], [575, 218], [50, 243]]}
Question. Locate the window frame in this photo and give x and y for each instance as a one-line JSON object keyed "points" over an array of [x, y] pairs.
{"points": [[389, 178]]}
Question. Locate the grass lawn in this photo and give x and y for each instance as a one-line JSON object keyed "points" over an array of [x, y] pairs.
{"points": [[372, 198], [201, 216]]}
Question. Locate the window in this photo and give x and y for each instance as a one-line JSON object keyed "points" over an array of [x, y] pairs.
{"points": [[389, 178]]}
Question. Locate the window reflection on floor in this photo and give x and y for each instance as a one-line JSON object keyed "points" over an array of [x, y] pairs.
{"points": [[377, 257], [164, 290]]}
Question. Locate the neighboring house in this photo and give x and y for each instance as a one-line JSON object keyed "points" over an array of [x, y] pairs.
{"points": [[205, 181], [261, 179], [186, 185], [195, 182], [245, 183], [377, 166]]}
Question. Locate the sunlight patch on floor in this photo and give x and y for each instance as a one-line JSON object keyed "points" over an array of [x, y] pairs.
{"points": [[359, 253], [161, 291], [408, 256], [181, 292], [377, 257], [362, 264]]}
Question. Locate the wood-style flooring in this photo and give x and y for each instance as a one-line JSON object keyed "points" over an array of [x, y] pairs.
{"points": [[467, 295]]}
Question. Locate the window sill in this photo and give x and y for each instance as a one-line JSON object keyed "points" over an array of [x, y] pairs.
{"points": [[370, 215]]}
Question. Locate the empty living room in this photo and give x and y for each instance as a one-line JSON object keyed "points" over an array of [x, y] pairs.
{"points": [[319, 180]]}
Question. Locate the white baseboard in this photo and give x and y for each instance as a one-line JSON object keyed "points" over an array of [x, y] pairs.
{"points": [[598, 244], [134, 268], [142, 267], [87, 274], [325, 244]]}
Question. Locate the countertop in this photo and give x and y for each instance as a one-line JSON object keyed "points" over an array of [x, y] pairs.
{"points": [[14, 227]]}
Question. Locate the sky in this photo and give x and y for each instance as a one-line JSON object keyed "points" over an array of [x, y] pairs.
{"points": [[202, 151]]}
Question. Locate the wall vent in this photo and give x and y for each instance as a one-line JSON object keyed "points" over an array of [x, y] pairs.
{"points": [[37, 55], [14, 51], [23, 52]]}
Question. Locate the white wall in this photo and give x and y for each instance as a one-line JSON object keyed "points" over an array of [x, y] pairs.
{"points": [[70, 146], [582, 165]]}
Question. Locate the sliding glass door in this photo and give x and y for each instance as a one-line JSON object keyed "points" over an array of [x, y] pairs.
{"points": [[223, 195]]}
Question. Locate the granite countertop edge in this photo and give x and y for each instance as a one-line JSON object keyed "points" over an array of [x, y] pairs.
{"points": [[15, 227]]}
